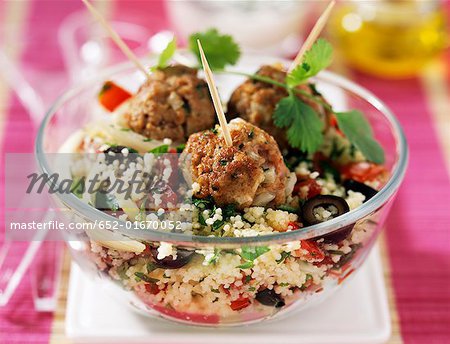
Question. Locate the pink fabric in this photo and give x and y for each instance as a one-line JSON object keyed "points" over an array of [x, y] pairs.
{"points": [[418, 226], [19, 323]]}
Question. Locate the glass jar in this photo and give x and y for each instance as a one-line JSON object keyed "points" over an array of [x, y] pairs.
{"points": [[393, 39]]}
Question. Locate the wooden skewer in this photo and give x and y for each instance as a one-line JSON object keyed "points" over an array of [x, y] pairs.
{"points": [[315, 32], [215, 96], [115, 37]]}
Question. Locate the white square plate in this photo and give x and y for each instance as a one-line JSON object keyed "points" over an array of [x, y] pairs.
{"points": [[357, 313]]}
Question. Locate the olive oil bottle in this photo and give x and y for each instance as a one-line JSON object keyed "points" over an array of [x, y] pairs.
{"points": [[393, 39]]}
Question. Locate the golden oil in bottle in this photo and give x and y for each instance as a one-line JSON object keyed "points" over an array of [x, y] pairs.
{"points": [[389, 38]]}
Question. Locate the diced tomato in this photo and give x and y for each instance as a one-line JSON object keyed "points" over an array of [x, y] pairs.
{"points": [[314, 252], [334, 124], [294, 225], [240, 303], [326, 261], [146, 251], [112, 95], [169, 197], [152, 288], [333, 121], [362, 171], [314, 188], [226, 290]]}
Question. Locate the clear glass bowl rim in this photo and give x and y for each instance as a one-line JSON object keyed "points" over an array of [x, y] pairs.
{"points": [[383, 196]]}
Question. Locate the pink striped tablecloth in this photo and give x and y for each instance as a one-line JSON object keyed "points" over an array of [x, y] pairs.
{"points": [[417, 230]]}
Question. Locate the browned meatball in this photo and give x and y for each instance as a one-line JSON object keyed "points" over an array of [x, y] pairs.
{"points": [[173, 103], [255, 101], [250, 172]]}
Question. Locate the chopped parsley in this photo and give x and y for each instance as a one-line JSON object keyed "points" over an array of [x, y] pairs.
{"points": [[180, 148], [288, 208], [140, 276], [284, 255], [160, 149], [249, 254]]}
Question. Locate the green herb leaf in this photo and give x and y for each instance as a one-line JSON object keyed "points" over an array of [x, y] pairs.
{"points": [[284, 255], [220, 50], [151, 267], [317, 58], [251, 253], [215, 290], [214, 259], [358, 131], [203, 203], [304, 125], [201, 219], [160, 149], [218, 224], [288, 208], [180, 148], [141, 276], [166, 54], [228, 211], [246, 265]]}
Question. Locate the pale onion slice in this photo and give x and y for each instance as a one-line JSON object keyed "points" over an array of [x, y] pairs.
{"points": [[121, 136], [263, 199], [114, 241]]}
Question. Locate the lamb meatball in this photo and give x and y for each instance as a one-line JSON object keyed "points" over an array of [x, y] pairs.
{"points": [[173, 103], [255, 101], [250, 172]]}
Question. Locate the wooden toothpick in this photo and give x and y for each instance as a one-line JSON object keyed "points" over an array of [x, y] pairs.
{"points": [[115, 37], [215, 96], [315, 32]]}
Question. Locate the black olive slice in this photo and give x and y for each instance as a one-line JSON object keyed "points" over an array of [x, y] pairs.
{"points": [[355, 186], [268, 297], [118, 150], [183, 257], [326, 201]]}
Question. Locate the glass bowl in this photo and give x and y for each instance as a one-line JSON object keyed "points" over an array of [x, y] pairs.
{"points": [[297, 269]]}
